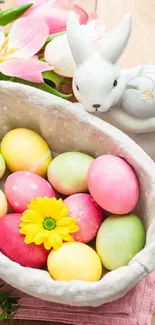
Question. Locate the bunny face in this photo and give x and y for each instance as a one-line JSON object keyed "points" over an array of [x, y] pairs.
{"points": [[98, 82], [100, 88]]}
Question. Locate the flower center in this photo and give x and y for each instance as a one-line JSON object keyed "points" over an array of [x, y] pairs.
{"points": [[5, 52], [49, 223]]}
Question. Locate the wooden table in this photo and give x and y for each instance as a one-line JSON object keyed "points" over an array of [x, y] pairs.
{"points": [[141, 49]]}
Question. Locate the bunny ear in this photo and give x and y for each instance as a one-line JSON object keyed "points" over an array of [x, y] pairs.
{"points": [[116, 42], [78, 41]]}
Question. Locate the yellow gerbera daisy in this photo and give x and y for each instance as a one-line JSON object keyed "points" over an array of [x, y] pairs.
{"points": [[47, 221]]}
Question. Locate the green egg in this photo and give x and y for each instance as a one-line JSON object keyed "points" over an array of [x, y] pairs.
{"points": [[119, 239], [67, 172]]}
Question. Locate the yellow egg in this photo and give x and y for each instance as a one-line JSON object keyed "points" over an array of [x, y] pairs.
{"points": [[74, 261], [2, 166], [3, 205], [24, 149]]}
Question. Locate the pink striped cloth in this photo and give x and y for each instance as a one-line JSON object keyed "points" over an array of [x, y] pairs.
{"points": [[136, 308]]}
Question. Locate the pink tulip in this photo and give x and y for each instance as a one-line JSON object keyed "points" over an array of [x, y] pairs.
{"points": [[54, 13], [17, 51]]}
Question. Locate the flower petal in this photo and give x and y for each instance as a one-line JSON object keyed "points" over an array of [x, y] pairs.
{"points": [[27, 36], [66, 221], [55, 18], [62, 61], [31, 229], [31, 216], [22, 2], [73, 228], [2, 35], [55, 240], [47, 245], [67, 238], [40, 237], [83, 16], [29, 239], [36, 206], [29, 69]]}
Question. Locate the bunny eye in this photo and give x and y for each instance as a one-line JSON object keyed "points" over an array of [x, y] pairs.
{"points": [[77, 87], [115, 83]]}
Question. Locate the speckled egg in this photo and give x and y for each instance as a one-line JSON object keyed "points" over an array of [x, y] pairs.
{"points": [[74, 261], [2, 166], [22, 187], [119, 239], [67, 172], [24, 149], [13, 246], [3, 204], [88, 213], [113, 184]]}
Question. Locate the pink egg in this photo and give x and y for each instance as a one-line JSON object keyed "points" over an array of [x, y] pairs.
{"points": [[88, 213], [13, 246], [113, 184], [21, 187]]}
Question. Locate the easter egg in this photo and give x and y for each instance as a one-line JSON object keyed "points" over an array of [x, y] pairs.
{"points": [[119, 239], [24, 149], [3, 205], [113, 184], [67, 172], [74, 261], [13, 246], [88, 214], [2, 166], [22, 187]]}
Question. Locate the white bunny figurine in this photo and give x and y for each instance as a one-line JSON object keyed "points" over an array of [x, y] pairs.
{"points": [[124, 98]]}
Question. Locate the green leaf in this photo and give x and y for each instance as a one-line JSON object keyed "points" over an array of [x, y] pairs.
{"points": [[54, 77], [5, 305], [12, 300], [2, 1], [3, 296], [12, 309], [9, 15], [41, 86], [53, 91], [10, 316], [2, 316]]}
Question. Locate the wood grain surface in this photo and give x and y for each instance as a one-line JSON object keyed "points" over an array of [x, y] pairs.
{"points": [[141, 49]]}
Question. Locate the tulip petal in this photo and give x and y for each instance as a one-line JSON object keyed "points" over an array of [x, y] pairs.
{"points": [[27, 36], [65, 4], [21, 2], [83, 16], [55, 18], [2, 35], [30, 69], [41, 5]]}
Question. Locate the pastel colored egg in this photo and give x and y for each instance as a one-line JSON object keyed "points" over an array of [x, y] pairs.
{"points": [[13, 246], [119, 239], [2, 166], [22, 187], [67, 172], [74, 261], [113, 184], [3, 204], [88, 214], [24, 149]]}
